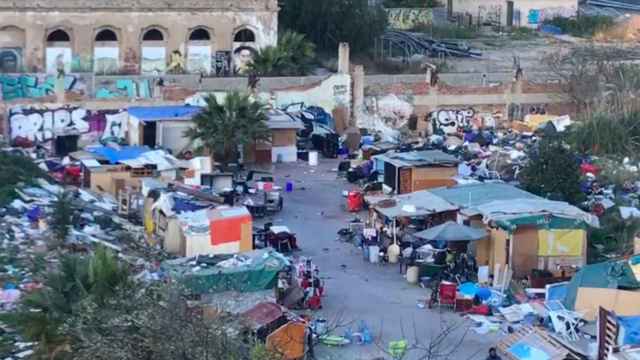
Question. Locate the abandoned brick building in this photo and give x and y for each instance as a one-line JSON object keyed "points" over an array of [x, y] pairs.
{"points": [[134, 36]]}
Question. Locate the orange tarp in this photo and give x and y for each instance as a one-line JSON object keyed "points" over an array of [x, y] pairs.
{"points": [[288, 340]]}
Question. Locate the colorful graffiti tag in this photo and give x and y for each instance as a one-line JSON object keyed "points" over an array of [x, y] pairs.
{"points": [[451, 121], [34, 86], [124, 88], [538, 16], [45, 124], [407, 18]]}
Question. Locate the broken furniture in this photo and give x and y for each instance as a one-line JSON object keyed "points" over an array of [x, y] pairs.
{"points": [[281, 239], [565, 322], [531, 343]]}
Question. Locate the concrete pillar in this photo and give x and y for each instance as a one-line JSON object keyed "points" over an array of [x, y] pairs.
{"points": [[343, 58], [357, 94]]}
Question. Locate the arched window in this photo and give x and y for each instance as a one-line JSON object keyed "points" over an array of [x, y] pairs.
{"points": [[244, 35], [199, 35], [153, 35], [58, 36], [106, 35]]}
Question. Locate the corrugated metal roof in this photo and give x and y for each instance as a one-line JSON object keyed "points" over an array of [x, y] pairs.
{"points": [[116, 155], [419, 158], [419, 203], [156, 113], [473, 195]]}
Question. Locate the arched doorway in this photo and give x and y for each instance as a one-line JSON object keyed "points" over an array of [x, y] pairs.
{"points": [[12, 42], [199, 51], [153, 58], [58, 52], [106, 52]]}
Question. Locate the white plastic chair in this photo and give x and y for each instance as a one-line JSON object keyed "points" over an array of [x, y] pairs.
{"points": [[565, 324]]}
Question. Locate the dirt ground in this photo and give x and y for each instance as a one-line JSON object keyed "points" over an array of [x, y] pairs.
{"points": [[357, 290]]}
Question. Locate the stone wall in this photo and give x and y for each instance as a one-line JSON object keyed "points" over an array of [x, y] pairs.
{"points": [[28, 25]]}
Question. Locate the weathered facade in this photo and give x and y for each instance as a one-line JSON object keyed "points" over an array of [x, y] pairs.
{"points": [[528, 13], [134, 36]]}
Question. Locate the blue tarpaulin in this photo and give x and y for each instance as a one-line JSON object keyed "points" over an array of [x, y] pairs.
{"points": [[630, 329], [122, 153], [155, 113], [185, 205]]}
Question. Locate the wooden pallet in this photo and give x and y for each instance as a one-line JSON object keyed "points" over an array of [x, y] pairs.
{"points": [[536, 338]]}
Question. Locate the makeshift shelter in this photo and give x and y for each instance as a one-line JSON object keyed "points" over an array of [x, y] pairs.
{"points": [[600, 284], [161, 126], [224, 230], [265, 318], [110, 169], [251, 271], [526, 231], [408, 172], [284, 139]]}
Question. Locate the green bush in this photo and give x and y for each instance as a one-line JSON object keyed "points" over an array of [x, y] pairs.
{"points": [[447, 31], [583, 26], [15, 169]]}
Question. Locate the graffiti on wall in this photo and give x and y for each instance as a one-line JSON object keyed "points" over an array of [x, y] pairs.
{"points": [[408, 18], [538, 16], [35, 86], [199, 59], [10, 60], [45, 124], [106, 60], [490, 14], [223, 63], [124, 88], [153, 60], [452, 121], [519, 111]]}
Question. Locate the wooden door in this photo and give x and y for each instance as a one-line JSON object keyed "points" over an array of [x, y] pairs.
{"points": [[524, 256], [405, 181]]}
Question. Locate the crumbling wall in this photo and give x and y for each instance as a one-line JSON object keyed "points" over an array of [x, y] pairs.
{"points": [[331, 93]]}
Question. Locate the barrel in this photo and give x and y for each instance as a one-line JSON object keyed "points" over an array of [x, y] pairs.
{"points": [[313, 158], [289, 186]]}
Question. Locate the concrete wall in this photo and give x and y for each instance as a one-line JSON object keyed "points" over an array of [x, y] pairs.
{"points": [[27, 26], [331, 93], [529, 13]]}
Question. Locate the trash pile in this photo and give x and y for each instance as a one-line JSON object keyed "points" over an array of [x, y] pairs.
{"points": [[28, 243]]}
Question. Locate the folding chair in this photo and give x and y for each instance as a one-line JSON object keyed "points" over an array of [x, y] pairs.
{"points": [[447, 294]]}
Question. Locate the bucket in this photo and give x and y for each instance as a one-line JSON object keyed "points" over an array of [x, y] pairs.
{"points": [[393, 252], [374, 254], [320, 326], [313, 158], [289, 186], [412, 274]]}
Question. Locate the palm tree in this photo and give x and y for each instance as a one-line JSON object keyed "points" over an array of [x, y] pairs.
{"points": [[43, 313], [293, 56], [222, 127]]}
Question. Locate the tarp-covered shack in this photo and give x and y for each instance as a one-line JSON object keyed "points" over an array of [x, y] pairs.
{"points": [[526, 231], [416, 170], [250, 271], [610, 284]]}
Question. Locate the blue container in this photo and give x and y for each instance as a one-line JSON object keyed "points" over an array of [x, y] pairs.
{"points": [[289, 186]]}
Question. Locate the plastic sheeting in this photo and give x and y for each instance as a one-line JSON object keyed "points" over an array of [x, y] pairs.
{"points": [[251, 271]]}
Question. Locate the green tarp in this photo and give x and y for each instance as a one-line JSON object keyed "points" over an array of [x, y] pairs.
{"points": [[247, 272], [541, 222], [609, 274]]}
